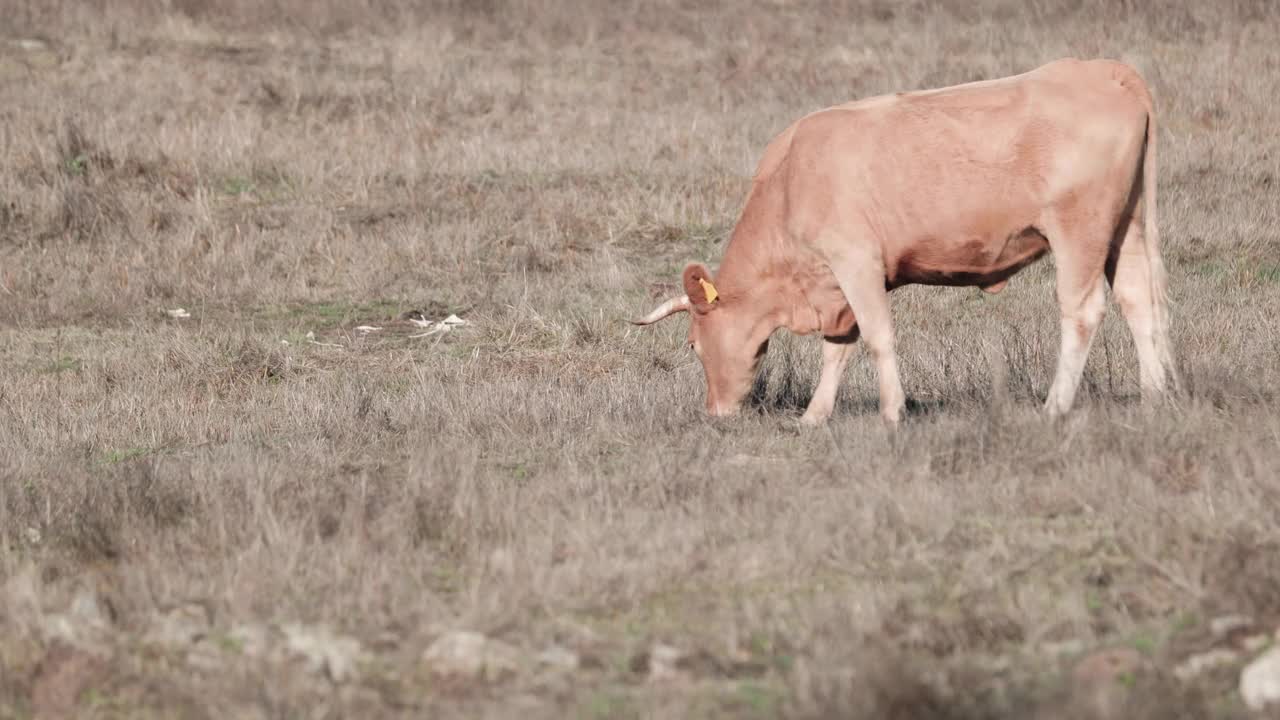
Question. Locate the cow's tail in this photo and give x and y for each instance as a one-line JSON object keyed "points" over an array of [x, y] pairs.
{"points": [[1151, 243]]}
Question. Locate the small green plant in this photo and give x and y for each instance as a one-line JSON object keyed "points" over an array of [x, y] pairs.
{"points": [[63, 363], [760, 644], [759, 700], [76, 165], [606, 704], [1211, 270], [93, 698], [236, 185], [1144, 644], [111, 457], [1186, 621], [229, 644], [1268, 274]]}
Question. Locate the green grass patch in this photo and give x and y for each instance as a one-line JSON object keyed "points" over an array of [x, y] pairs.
{"points": [[229, 644], [607, 705], [1144, 643], [63, 364], [264, 184], [755, 700], [1269, 274], [236, 186], [328, 314], [76, 165], [1209, 270], [112, 457]]}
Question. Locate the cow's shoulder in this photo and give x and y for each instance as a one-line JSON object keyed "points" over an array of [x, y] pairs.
{"points": [[818, 126]]}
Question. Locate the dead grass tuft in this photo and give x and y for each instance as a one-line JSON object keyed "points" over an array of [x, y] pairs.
{"points": [[1244, 570]]}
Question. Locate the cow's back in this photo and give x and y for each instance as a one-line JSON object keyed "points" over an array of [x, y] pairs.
{"points": [[956, 174]]}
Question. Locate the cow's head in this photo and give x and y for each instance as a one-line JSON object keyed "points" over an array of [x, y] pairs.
{"points": [[727, 332]]}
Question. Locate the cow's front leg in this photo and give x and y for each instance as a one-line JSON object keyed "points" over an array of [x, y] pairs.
{"points": [[861, 278], [835, 356]]}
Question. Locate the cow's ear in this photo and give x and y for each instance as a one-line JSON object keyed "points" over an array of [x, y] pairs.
{"points": [[698, 285]]}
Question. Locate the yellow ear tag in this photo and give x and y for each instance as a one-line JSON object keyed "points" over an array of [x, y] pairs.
{"points": [[709, 289]]}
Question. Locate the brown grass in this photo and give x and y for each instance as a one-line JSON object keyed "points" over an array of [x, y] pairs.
{"points": [[545, 476]]}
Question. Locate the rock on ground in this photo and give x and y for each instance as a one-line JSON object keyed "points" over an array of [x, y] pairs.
{"points": [[323, 652], [558, 657], [1260, 681], [179, 628], [1201, 663], [463, 654]]}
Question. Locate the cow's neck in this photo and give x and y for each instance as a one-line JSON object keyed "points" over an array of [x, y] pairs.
{"points": [[756, 274], [775, 286]]}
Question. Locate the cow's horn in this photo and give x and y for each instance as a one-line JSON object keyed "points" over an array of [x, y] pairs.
{"points": [[670, 307]]}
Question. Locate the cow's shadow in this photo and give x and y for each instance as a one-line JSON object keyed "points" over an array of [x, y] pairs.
{"points": [[785, 393], [779, 393]]}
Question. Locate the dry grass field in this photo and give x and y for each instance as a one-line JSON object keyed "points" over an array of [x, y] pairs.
{"points": [[259, 511]]}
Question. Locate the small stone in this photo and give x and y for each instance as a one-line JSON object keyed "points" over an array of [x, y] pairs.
{"points": [[59, 627], [84, 625], [179, 627], [323, 652], [663, 662], [1229, 624], [1197, 665], [249, 640], [1260, 681], [558, 657], [204, 655], [417, 317], [470, 655], [86, 609], [30, 44], [1254, 643], [502, 562], [1063, 647]]}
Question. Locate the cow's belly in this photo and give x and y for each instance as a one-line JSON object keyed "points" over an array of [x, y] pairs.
{"points": [[975, 261]]}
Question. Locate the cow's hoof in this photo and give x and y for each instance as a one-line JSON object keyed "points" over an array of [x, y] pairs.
{"points": [[892, 417], [814, 420], [1055, 411]]}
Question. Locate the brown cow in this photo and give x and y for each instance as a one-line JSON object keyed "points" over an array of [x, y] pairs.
{"points": [[961, 186]]}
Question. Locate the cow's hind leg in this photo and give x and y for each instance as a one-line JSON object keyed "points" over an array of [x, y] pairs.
{"points": [[835, 356], [1082, 303], [862, 281], [1130, 275]]}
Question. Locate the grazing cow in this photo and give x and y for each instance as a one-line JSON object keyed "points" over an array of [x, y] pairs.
{"points": [[961, 186]]}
